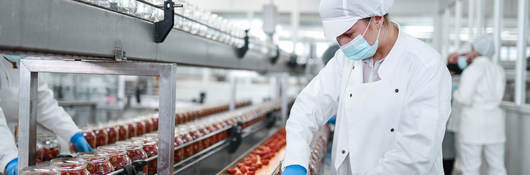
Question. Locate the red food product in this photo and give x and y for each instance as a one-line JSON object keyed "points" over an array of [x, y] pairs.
{"points": [[148, 125], [123, 132], [102, 138], [197, 146], [188, 150], [97, 163], [151, 149], [70, 166], [113, 134], [232, 171], [178, 119], [117, 156], [131, 128], [207, 141], [140, 128], [154, 120], [179, 153]]}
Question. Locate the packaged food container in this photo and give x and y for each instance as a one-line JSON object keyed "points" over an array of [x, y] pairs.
{"points": [[47, 148], [195, 134], [117, 155], [179, 153], [97, 163], [186, 137], [151, 149], [39, 170], [123, 131], [70, 166], [131, 128], [113, 134], [148, 125], [102, 138], [140, 128], [154, 120]]}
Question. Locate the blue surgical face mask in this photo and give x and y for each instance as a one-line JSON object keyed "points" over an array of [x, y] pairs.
{"points": [[462, 62], [359, 48]]}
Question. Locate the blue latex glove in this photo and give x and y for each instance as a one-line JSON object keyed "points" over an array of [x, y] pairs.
{"points": [[332, 120], [81, 145], [294, 170], [11, 167]]}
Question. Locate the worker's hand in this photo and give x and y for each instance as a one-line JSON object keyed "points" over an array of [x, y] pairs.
{"points": [[12, 167], [294, 170], [81, 145]]}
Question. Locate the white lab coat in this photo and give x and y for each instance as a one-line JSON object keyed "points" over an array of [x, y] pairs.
{"points": [[392, 126], [50, 115], [480, 95]]}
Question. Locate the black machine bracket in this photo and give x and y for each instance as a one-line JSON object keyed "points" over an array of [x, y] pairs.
{"points": [[240, 52], [275, 58], [162, 28]]}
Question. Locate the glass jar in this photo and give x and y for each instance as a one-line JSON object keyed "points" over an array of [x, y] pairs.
{"points": [[112, 132], [195, 134], [47, 148], [131, 130], [151, 149], [135, 150], [122, 131], [186, 137], [140, 128], [97, 163], [154, 120], [179, 153], [69, 166], [38, 170], [102, 138], [207, 141], [148, 125], [117, 155], [89, 136]]}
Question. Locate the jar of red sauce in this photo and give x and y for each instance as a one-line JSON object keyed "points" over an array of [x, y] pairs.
{"points": [[148, 125], [70, 166], [151, 149], [102, 138], [195, 134], [140, 128], [186, 138], [97, 163], [123, 131], [113, 133], [47, 148], [117, 155], [179, 153], [131, 128], [154, 120]]}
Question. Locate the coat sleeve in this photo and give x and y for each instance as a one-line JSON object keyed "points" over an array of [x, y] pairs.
{"points": [[52, 116], [422, 124], [467, 85], [316, 103], [8, 149]]}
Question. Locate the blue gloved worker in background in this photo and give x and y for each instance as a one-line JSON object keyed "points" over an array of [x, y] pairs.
{"points": [[294, 170]]}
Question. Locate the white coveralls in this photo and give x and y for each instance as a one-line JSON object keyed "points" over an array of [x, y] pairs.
{"points": [[391, 126], [482, 122]]}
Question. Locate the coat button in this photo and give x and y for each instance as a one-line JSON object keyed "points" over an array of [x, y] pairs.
{"points": [[343, 151], [353, 67], [396, 90], [351, 95], [391, 129]]}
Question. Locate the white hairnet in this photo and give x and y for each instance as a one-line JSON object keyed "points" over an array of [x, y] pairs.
{"points": [[339, 15], [484, 45], [466, 48]]}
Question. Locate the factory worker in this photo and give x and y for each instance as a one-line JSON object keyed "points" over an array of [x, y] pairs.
{"points": [[390, 91], [482, 121], [50, 115]]}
